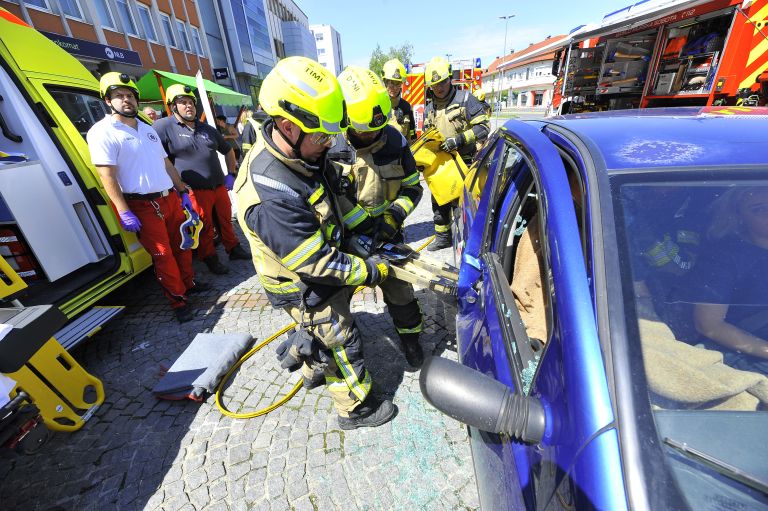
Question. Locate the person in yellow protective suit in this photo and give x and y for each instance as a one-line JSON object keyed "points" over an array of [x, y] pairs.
{"points": [[291, 222], [461, 120], [383, 189], [401, 118]]}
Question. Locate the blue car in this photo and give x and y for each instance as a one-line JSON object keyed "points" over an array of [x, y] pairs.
{"points": [[612, 325]]}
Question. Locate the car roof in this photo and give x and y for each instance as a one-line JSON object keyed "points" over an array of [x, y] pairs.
{"points": [[673, 137]]}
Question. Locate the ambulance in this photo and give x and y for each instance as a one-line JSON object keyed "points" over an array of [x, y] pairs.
{"points": [[60, 238]]}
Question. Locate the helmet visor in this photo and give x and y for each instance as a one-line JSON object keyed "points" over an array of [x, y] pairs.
{"points": [[312, 122]]}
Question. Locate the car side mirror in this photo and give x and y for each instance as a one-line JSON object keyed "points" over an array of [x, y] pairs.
{"points": [[479, 401]]}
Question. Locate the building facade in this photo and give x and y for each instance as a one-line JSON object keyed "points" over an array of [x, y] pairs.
{"points": [[328, 43], [129, 36], [524, 79]]}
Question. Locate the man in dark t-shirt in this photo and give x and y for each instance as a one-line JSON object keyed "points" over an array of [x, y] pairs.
{"points": [[192, 146]]}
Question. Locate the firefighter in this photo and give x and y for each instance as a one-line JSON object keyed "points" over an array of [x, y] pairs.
{"points": [[393, 75], [460, 118], [140, 181], [383, 190], [192, 146], [290, 215], [251, 128], [480, 95]]}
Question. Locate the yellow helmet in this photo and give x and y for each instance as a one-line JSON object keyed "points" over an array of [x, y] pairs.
{"points": [[479, 94], [306, 93], [437, 70], [176, 90], [393, 70], [115, 80], [368, 104]]}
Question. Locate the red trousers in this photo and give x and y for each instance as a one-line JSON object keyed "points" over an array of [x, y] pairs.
{"points": [[160, 236], [210, 203]]}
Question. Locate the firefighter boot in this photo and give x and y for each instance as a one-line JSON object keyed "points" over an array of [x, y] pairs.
{"points": [[412, 350], [215, 266], [369, 414], [442, 240]]}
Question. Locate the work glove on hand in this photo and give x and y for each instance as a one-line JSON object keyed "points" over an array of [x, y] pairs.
{"points": [[378, 270], [229, 181], [387, 226], [129, 221], [452, 143], [287, 359]]}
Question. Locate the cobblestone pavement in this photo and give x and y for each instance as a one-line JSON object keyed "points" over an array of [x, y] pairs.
{"points": [[138, 452]]}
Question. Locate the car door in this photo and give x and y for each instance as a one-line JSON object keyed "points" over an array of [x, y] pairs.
{"points": [[538, 335]]}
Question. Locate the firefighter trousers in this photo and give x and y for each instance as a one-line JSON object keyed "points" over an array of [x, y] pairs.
{"points": [[210, 204], [160, 236], [402, 305], [346, 376], [442, 217]]}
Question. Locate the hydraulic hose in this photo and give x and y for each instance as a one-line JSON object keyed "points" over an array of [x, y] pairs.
{"points": [[250, 415]]}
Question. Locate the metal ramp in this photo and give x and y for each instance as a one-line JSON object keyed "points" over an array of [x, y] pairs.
{"points": [[86, 325]]}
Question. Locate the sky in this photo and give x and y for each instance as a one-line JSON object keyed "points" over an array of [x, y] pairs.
{"points": [[463, 29]]}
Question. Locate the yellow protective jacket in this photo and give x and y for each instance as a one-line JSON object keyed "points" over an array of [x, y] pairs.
{"points": [[402, 118], [293, 226], [461, 113], [382, 178]]}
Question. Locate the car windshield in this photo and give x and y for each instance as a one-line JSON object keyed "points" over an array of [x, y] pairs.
{"points": [[695, 282]]}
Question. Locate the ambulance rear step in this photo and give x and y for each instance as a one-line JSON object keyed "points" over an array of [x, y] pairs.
{"points": [[86, 325]]}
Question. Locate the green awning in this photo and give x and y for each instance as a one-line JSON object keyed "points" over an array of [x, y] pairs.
{"points": [[221, 95]]}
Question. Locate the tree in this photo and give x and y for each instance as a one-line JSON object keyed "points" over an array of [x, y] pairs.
{"points": [[403, 53]]}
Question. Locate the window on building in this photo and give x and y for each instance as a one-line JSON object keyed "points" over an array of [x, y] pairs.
{"points": [[321, 51], [318, 36], [165, 20], [126, 16], [146, 21], [40, 4], [183, 38], [72, 9], [524, 99], [104, 14], [196, 40], [538, 98]]}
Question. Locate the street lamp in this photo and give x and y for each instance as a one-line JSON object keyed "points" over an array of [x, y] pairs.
{"points": [[501, 72]]}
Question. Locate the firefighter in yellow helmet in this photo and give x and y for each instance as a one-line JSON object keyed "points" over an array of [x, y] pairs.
{"points": [[480, 95], [393, 75], [383, 189], [295, 233], [460, 118]]}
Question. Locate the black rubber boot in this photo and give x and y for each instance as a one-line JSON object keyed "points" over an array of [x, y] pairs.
{"points": [[239, 252], [369, 414], [214, 266], [442, 240], [412, 350]]}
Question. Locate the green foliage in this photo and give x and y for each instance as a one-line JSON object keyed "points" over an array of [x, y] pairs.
{"points": [[403, 53]]}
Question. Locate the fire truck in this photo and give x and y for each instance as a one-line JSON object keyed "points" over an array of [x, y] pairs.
{"points": [[464, 76], [663, 53]]}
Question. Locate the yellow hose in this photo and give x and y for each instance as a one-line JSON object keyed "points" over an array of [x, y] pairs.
{"points": [[250, 415]]}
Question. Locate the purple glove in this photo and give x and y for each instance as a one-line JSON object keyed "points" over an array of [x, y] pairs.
{"points": [[129, 221], [229, 182], [186, 203]]}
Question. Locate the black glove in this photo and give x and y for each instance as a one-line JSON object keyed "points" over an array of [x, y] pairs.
{"points": [[287, 359], [378, 270], [452, 143], [386, 226]]}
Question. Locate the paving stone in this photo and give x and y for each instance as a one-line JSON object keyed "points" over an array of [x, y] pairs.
{"points": [[142, 453]]}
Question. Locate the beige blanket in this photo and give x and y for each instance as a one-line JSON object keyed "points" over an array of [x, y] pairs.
{"points": [[696, 377]]}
